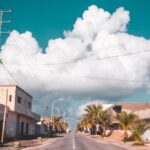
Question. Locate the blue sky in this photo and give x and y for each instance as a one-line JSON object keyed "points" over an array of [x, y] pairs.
{"points": [[48, 19]]}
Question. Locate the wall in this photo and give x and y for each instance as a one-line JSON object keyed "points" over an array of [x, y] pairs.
{"points": [[3, 93], [25, 100], [22, 109], [146, 135], [11, 124], [31, 127]]}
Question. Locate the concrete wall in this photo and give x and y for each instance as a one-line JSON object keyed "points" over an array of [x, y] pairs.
{"points": [[14, 93], [23, 107], [146, 136], [11, 123], [11, 93], [31, 125], [19, 105]]}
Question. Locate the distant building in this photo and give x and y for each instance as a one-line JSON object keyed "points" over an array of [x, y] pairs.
{"points": [[20, 120], [141, 109], [42, 127]]}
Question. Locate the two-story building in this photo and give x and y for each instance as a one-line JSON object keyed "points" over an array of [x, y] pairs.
{"points": [[141, 109], [20, 120]]}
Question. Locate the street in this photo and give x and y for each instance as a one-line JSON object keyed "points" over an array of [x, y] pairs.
{"points": [[78, 142]]}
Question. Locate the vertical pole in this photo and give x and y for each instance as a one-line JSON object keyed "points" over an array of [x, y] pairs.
{"points": [[4, 120], [52, 115], [3, 21], [1, 16], [52, 112]]}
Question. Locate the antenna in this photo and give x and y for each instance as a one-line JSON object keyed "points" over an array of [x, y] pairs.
{"points": [[2, 12], [1, 62]]}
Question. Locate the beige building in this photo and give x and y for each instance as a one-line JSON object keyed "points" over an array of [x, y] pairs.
{"points": [[142, 109], [20, 120]]}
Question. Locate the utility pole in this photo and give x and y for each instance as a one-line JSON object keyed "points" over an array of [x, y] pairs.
{"points": [[2, 22], [4, 118], [1, 62]]}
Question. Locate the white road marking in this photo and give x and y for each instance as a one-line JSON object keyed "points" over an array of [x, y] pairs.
{"points": [[73, 145]]}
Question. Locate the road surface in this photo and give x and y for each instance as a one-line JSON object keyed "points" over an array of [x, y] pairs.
{"points": [[76, 141]]}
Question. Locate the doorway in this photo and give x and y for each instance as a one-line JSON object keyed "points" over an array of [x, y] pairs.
{"points": [[22, 127], [27, 128]]}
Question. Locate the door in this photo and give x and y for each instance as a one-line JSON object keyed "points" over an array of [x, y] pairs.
{"points": [[27, 128], [22, 127]]}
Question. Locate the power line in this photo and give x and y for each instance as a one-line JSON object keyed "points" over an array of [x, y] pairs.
{"points": [[114, 79], [10, 74], [83, 60], [6, 76], [93, 78]]}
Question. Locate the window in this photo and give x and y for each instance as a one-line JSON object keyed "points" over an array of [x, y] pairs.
{"points": [[117, 108], [29, 105], [19, 100], [10, 98]]}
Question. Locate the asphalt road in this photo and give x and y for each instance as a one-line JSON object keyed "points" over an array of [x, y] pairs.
{"points": [[77, 142]]}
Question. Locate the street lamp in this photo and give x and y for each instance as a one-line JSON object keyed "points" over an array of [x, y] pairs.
{"points": [[53, 107]]}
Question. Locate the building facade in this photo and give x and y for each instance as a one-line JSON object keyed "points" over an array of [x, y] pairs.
{"points": [[20, 120], [141, 109]]}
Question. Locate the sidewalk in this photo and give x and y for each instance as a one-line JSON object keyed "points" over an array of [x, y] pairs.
{"points": [[24, 144], [128, 145], [27, 144]]}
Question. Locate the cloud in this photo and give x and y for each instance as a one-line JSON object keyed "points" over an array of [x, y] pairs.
{"points": [[95, 35], [80, 110]]}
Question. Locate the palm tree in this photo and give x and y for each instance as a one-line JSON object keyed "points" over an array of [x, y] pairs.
{"points": [[78, 127], [104, 120], [63, 126], [91, 116], [126, 120], [56, 122], [86, 122], [138, 130], [93, 112]]}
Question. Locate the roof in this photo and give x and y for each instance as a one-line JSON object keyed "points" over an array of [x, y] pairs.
{"points": [[142, 109], [134, 106], [143, 114], [13, 85]]}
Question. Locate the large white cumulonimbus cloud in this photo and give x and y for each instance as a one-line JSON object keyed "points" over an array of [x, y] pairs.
{"points": [[81, 109], [97, 34]]}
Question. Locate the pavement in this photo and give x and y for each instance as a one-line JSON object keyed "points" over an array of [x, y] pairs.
{"points": [[76, 141], [28, 143], [72, 141], [115, 141]]}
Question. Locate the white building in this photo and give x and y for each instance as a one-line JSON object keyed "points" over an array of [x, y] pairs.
{"points": [[20, 120]]}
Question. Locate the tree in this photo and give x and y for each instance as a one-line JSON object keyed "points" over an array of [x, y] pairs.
{"points": [[126, 120], [93, 112], [138, 130], [56, 122], [91, 116], [104, 120], [63, 126]]}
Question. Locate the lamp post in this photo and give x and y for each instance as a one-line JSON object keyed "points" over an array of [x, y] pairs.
{"points": [[52, 107]]}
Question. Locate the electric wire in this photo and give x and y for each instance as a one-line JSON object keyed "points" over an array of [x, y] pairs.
{"points": [[9, 72], [83, 60], [89, 77]]}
